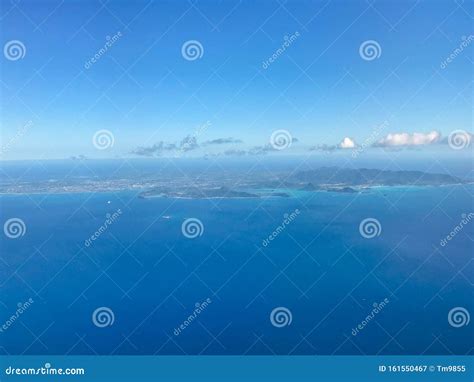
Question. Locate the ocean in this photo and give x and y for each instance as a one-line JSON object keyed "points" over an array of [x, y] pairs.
{"points": [[146, 284]]}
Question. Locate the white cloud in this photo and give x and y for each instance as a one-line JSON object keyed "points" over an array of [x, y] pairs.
{"points": [[407, 139], [347, 143]]}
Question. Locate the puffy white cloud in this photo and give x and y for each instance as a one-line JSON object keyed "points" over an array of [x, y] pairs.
{"points": [[407, 139], [347, 143]]}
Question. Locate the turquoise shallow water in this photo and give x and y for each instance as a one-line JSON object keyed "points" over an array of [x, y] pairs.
{"points": [[318, 267]]}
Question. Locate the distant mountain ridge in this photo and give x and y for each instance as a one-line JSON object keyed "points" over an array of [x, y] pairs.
{"points": [[371, 177]]}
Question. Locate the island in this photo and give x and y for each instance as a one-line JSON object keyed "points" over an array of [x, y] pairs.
{"points": [[235, 184]]}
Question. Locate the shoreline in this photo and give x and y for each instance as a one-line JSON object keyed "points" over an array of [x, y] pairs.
{"points": [[357, 190]]}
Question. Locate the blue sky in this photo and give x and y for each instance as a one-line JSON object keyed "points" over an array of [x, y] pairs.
{"points": [[141, 89]]}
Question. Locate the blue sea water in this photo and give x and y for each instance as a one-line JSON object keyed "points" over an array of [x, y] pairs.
{"points": [[319, 267]]}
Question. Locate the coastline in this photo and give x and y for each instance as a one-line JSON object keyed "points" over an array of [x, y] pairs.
{"points": [[290, 192]]}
